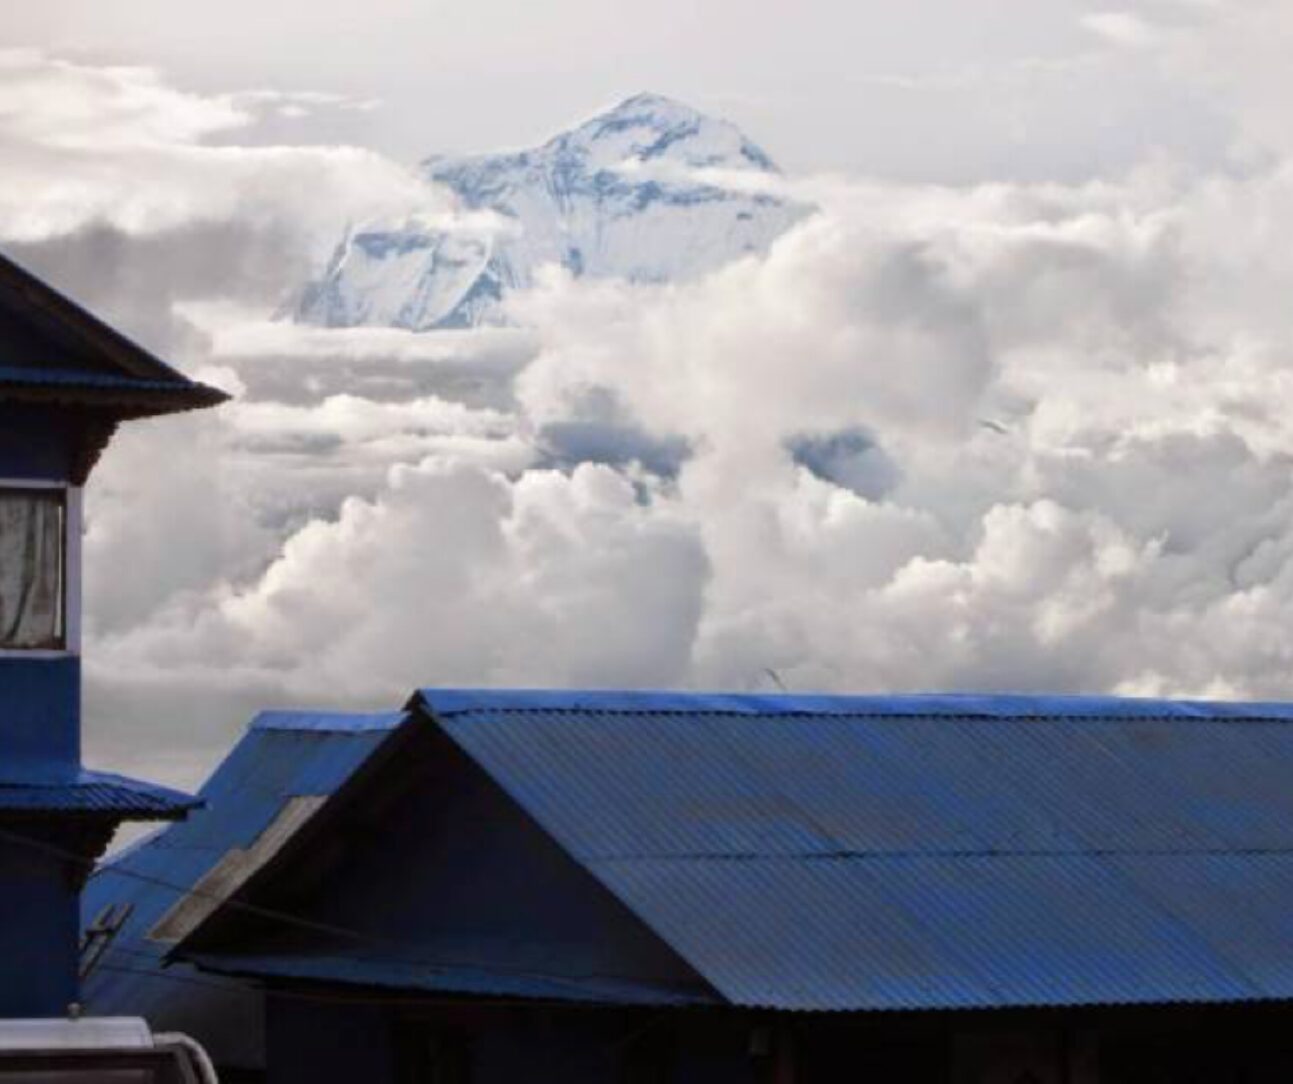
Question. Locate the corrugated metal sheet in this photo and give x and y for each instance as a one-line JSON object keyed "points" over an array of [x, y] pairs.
{"points": [[284, 755], [448, 702], [921, 852], [330, 722], [620, 783], [809, 853], [947, 932], [95, 792]]}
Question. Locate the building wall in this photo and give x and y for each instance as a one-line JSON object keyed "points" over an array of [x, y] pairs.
{"points": [[39, 715], [39, 912], [38, 931]]}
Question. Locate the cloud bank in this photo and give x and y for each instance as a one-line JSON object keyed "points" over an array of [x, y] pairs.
{"points": [[1004, 436]]}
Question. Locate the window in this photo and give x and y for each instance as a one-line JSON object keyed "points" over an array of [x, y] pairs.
{"points": [[32, 572]]}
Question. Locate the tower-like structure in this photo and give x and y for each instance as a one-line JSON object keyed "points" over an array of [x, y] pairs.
{"points": [[66, 381]]}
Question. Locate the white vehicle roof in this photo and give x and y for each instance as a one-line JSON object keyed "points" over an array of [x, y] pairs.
{"points": [[86, 1033]]}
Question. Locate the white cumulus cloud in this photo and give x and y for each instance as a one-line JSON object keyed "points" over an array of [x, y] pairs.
{"points": [[997, 436]]}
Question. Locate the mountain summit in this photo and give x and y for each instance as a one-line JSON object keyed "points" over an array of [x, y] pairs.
{"points": [[638, 193]]}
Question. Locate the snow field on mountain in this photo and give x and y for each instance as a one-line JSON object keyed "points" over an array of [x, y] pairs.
{"points": [[629, 194]]}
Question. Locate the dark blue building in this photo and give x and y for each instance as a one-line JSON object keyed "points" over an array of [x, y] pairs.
{"points": [[66, 381], [501, 886]]}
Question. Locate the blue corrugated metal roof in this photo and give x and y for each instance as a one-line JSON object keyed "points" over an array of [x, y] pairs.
{"points": [[333, 722], [833, 853], [855, 853], [448, 702], [93, 793], [284, 755]]}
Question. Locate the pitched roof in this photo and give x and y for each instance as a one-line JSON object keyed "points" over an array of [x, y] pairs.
{"points": [[284, 756], [53, 350], [876, 853], [861, 853]]}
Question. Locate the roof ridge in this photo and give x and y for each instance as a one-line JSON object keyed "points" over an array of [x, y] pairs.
{"points": [[339, 722], [826, 716], [450, 702]]}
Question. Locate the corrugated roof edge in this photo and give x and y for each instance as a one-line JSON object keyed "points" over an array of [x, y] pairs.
{"points": [[178, 797], [96, 792], [331, 721], [450, 702]]}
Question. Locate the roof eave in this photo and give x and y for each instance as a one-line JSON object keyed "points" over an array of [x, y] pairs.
{"points": [[59, 309], [119, 403]]}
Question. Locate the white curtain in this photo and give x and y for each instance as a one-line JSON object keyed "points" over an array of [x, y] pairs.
{"points": [[31, 569]]}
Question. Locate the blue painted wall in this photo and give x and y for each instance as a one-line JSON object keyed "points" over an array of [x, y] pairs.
{"points": [[40, 740], [38, 933], [40, 729]]}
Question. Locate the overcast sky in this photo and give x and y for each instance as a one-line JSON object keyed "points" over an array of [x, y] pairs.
{"points": [[939, 89], [1043, 300]]}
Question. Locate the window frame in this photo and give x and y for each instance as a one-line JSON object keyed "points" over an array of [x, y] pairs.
{"points": [[70, 499]]}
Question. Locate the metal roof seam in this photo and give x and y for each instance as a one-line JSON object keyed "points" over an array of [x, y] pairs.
{"points": [[884, 856], [845, 717], [327, 722], [987, 706]]}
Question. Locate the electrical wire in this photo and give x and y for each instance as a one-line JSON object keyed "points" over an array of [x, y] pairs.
{"points": [[156, 970], [311, 925], [330, 998]]}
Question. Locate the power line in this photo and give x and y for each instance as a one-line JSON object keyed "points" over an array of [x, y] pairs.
{"points": [[309, 924], [183, 890], [326, 997]]}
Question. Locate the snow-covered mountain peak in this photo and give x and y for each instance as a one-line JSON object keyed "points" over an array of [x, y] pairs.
{"points": [[620, 195], [650, 126]]}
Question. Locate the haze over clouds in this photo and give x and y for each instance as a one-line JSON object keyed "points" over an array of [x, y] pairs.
{"points": [[1006, 434]]}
